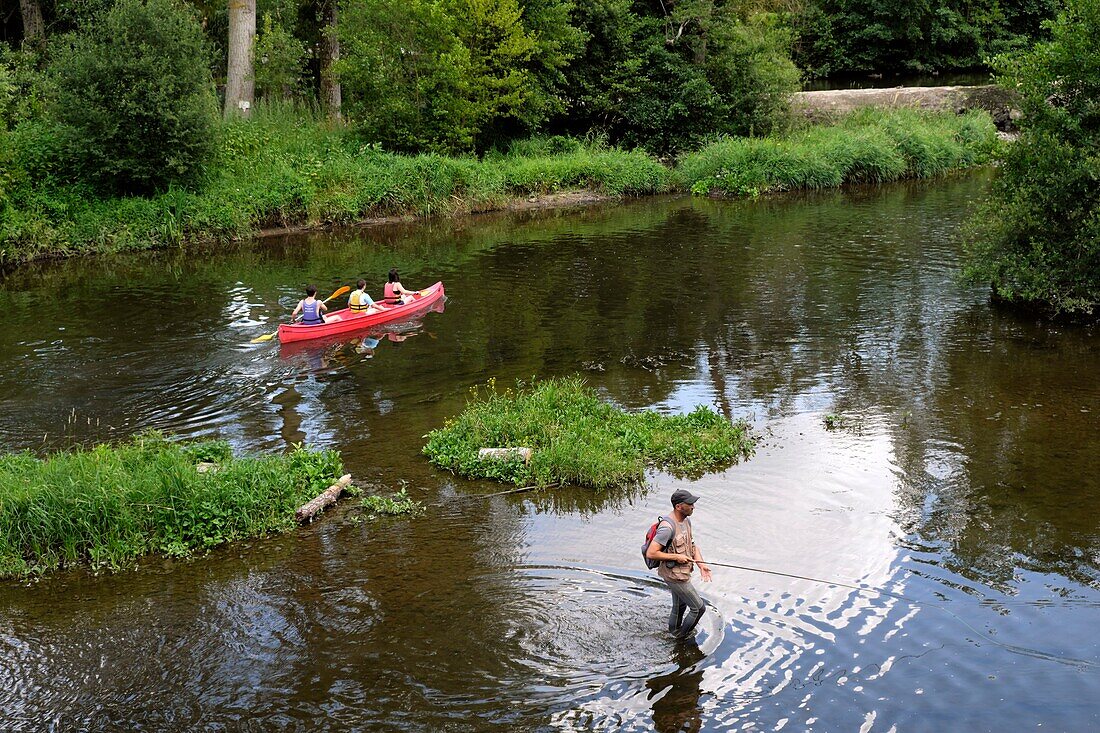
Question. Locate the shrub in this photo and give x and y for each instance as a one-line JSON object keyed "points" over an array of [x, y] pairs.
{"points": [[135, 98], [1037, 242]]}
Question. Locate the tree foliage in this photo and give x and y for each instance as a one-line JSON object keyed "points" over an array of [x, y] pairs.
{"points": [[903, 36], [279, 59], [1038, 240], [135, 98]]}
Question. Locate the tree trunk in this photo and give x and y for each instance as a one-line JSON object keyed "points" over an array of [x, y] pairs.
{"points": [[240, 83], [331, 93], [34, 29]]}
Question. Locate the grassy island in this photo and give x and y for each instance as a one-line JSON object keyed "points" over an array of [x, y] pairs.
{"points": [[108, 505], [579, 440]]}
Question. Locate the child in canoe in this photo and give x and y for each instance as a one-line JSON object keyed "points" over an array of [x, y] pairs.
{"points": [[359, 303], [312, 310]]}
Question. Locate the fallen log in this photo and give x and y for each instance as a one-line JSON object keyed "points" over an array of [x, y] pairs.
{"points": [[325, 499]]}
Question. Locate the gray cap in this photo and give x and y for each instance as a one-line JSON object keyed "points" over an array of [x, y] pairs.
{"points": [[683, 496]]}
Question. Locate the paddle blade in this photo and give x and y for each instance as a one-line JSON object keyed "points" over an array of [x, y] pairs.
{"points": [[338, 293], [265, 337]]}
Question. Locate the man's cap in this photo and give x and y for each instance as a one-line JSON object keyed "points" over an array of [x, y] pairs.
{"points": [[683, 496]]}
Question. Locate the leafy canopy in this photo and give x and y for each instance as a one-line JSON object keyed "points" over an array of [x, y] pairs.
{"points": [[1038, 240]]}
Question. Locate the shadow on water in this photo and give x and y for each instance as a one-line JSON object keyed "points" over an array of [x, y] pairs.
{"points": [[962, 472]]}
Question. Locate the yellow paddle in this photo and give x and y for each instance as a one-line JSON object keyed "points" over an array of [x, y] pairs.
{"points": [[269, 336]]}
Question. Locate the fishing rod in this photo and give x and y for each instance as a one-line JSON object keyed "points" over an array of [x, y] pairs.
{"points": [[1027, 651]]}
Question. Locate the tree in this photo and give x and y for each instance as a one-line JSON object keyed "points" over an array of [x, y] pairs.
{"points": [[135, 100], [331, 91], [407, 75], [240, 79], [279, 60], [34, 28], [1038, 240]]}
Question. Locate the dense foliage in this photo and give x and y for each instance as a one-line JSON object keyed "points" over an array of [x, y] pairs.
{"points": [[454, 75], [111, 504], [135, 103], [580, 440], [900, 36], [1038, 240]]}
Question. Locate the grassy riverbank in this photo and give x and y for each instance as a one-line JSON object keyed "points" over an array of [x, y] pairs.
{"points": [[579, 440], [286, 168], [867, 146], [111, 504]]}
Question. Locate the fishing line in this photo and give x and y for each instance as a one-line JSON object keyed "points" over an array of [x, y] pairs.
{"points": [[1026, 651]]}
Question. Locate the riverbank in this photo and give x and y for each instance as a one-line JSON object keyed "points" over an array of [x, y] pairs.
{"points": [[282, 171], [109, 505], [576, 439]]}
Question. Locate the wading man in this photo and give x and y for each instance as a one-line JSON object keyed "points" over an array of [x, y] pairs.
{"points": [[674, 545]]}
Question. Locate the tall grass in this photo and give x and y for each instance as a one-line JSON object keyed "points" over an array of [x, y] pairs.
{"points": [[868, 146], [284, 167], [579, 440], [287, 166], [110, 504]]}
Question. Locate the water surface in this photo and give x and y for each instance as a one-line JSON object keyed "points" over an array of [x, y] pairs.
{"points": [[964, 476]]}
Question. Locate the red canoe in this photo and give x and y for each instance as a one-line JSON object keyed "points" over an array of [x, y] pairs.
{"points": [[346, 320]]}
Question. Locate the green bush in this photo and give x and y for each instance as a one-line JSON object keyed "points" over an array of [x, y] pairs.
{"points": [[1037, 242], [278, 59], [135, 98], [579, 440]]}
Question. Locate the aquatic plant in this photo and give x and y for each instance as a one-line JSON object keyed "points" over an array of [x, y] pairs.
{"points": [[579, 439], [107, 505]]}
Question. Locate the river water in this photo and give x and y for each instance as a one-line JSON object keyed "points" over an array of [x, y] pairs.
{"points": [[963, 477]]}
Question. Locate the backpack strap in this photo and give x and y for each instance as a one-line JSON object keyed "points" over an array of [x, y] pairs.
{"points": [[671, 537]]}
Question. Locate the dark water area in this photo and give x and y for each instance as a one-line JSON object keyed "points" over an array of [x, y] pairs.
{"points": [[887, 81], [964, 477]]}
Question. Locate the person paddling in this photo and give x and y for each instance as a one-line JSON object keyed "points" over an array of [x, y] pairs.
{"points": [[312, 310], [394, 293], [359, 302], [675, 546]]}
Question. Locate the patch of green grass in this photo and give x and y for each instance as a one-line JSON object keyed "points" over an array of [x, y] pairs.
{"points": [[374, 506], [108, 505], [579, 440], [868, 146]]}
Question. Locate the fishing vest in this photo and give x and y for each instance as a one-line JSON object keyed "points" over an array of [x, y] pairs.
{"points": [[682, 544]]}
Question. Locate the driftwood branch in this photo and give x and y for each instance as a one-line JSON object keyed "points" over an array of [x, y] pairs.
{"points": [[325, 499]]}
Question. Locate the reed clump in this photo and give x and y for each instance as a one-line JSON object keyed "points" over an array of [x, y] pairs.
{"points": [[579, 439], [108, 505], [867, 146]]}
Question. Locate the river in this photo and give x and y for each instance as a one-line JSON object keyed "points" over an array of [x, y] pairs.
{"points": [[962, 477]]}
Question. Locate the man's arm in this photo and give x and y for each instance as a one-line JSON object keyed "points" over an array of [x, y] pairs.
{"points": [[655, 552]]}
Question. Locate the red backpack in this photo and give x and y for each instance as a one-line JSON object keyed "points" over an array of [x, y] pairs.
{"points": [[651, 564]]}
